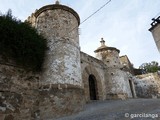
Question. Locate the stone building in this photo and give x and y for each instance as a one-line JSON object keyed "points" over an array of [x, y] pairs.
{"points": [[58, 89], [102, 76], [127, 65], [155, 30], [70, 77]]}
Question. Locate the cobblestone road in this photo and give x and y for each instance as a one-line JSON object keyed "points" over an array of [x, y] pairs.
{"points": [[132, 109]]}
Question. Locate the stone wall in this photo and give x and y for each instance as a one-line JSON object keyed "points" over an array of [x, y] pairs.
{"points": [[118, 86], [62, 88], [23, 97], [93, 66], [56, 91], [60, 100], [148, 85], [126, 64], [113, 83], [117, 82], [18, 93]]}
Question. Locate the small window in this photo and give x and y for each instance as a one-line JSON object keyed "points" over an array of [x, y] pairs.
{"points": [[112, 73]]}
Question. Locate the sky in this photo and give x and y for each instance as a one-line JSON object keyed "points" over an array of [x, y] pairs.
{"points": [[123, 24]]}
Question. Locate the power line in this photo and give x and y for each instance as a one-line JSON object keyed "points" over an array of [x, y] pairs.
{"points": [[92, 14], [95, 12]]}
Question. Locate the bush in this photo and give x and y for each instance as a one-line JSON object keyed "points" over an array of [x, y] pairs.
{"points": [[21, 43], [150, 67]]}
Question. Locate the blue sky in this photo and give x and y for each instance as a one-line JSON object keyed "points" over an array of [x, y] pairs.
{"points": [[123, 24]]}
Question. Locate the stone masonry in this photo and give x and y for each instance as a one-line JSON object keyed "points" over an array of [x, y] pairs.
{"points": [[148, 85], [70, 78], [58, 89], [62, 70]]}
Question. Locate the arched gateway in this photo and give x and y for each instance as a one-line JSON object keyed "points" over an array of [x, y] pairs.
{"points": [[92, 84], [93, 87]]}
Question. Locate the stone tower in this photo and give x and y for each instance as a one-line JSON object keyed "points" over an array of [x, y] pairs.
{"points": [[109, 55], [115, 79], [155, 30], [62, 71]]}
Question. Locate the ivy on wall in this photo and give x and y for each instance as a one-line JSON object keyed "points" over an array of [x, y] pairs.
{"points": [[21, 43]]}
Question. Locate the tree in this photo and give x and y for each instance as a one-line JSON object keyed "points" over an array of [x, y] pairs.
{"points": [[150, 67], [21, 43]]}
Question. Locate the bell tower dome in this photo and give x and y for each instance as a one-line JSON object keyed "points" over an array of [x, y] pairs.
{"points": [[109, 55]]}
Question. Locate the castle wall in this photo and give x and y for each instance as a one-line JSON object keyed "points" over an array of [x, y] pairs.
{"points": [[18, 93], [117, 82], [57, 102], [23, 97], [93, 66], [62, 88], [56, 91], [118, 86], [114, 82], [148, 85]]}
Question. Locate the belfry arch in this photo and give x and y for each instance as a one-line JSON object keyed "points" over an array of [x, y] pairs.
{"points": [[92, 84]]}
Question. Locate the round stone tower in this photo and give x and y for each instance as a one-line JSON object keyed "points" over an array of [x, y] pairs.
{"points": [[109, 55], [59, 24], [114, 77], [61, 75]]}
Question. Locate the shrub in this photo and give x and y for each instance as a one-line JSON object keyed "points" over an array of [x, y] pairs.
{"points": [[150, 67], [21, 43]]}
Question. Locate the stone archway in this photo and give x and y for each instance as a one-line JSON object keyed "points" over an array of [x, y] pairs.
{"points": [[90, 72], [93, 87]]}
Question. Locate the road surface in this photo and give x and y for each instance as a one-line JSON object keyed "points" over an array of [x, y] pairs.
{"points": [[131, 109]]}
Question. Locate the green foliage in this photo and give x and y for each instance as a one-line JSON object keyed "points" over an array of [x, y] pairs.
{"points": [[150, 67], [21, 43]]}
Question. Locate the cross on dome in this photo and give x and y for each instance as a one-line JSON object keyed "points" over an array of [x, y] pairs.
{"points": [[102, 42]]}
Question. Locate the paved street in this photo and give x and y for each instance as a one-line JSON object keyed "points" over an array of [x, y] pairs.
{"points": [[132, 109]]}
